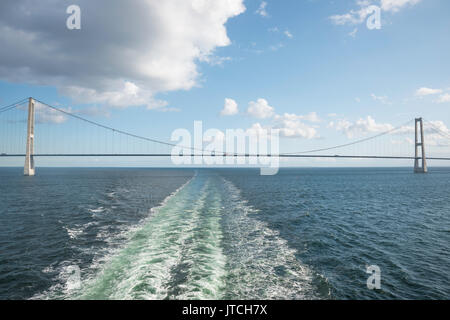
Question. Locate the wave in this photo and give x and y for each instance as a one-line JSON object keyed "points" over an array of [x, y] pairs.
{"points": [[138, 270], [202, 242], [74, 233], [97, 210], [201, 273], [104, 261], [261, 264]]}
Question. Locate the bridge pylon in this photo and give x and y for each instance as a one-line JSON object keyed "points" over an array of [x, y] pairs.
{"points": [[420, 166], [29, 159]]}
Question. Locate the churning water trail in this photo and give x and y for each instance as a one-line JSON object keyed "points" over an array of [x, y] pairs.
{"points": [[202, 242], [261, 265], [224, 234], [141, 269]]}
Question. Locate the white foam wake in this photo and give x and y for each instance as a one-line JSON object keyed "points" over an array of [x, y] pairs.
{"points": [[261, 264], [118, 272]]}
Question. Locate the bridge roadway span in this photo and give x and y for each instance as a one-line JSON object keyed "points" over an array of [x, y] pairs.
{"points": [[232, 155]]}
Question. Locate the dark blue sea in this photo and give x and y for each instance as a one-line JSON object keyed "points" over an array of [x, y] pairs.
{"points": [[224, 233]]}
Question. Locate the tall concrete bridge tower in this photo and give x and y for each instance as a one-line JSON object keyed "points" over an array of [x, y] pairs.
{"points": [[418, 168], [29, 159]]}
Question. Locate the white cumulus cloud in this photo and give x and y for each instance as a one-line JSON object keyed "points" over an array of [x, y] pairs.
{"points": [[361, 127], [291, 126], [230, 108], [123, 55], [382, 99], [360, 14], [288, 34], [396, 5], [443, 98], [262, 11], [353, 17], [260, 109], [424, 91]]}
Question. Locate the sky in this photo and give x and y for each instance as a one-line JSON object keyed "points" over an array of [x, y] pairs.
{"points": [[311, 68]]}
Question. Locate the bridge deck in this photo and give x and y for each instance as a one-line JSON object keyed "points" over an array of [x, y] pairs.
{"points": [[238, 155]]}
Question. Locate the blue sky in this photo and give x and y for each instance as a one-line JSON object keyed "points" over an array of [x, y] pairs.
{"points": [[336, 79]]}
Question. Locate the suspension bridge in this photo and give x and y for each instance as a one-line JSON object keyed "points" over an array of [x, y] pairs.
{"points": [[31, 128]]}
